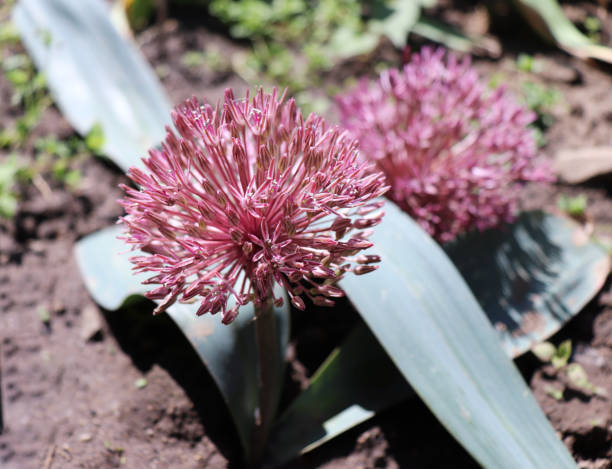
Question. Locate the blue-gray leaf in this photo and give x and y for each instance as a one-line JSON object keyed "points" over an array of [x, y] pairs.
{"points": [[94, 75], [229, 352], [531, 277], [559, 269], [430, 324]]}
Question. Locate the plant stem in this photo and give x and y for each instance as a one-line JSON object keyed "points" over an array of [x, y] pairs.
{"points": [[269, 377]]}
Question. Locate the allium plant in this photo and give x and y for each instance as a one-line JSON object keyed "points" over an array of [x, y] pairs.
{"points": [[246, 195], [454, 151]]}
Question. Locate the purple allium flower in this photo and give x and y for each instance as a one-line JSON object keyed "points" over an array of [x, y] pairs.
{"points": [[246, 195], [454, 151]]}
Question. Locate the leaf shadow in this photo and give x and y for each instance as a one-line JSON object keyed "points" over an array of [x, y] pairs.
{"points": [[157, 340], [406, 432], [510, 271]]}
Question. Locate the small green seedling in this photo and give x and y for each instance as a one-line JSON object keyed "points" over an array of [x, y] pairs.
{"points": [[95, 140], [545, 351], [215, 61], [9, 169], [541, 100], [556, 394], [592, 25], [295, 41], [577, 375], [193, 59], [559, 358], [526, 63], [8, 34], [113, 449], [141, 383], [44, 315], [573, 206], [562, 354]]}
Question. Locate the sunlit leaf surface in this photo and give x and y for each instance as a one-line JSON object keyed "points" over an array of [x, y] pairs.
{"points": [[94, 75]]}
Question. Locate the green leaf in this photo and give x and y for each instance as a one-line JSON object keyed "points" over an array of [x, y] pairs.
{"points": [[573, 206], [531, 277], [549, 20], [193, 59], [545, 351], [578, 377], [141, 383], [94, 140], [395, 19], [140, 13], [229, 352], [562, 273], [454, 39], [556, 394], [8, 204], [426, 318], [526, 63], [355, 382], [562, 355], [94, 75], [348, 42], [9, 171]]}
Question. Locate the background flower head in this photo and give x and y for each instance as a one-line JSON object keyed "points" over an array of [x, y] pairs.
{"points": [[454, 151], [246, 195]]}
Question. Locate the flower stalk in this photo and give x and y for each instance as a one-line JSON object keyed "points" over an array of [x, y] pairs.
{"points": [[241, 198], [269, 376]]}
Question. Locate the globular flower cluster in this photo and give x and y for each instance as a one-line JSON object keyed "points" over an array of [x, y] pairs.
{"points": [[454, 151], [246, 195]]}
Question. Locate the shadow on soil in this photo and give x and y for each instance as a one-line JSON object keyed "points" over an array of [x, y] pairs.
{"points": [[150, 340]]}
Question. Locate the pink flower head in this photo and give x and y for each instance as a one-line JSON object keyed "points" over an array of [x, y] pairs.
{"points": [[454, 151], [246, 195]]}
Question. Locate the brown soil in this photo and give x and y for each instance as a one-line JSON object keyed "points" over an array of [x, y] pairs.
{"points": [[68, 385]]}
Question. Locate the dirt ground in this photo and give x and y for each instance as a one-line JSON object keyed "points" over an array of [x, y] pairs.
{"points": [[69, 385]]}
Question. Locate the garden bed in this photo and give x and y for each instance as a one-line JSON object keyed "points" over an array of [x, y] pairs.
{"points": [[94, 389]]}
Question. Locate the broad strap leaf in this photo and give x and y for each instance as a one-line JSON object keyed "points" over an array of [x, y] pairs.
{"points": [[430, 324], [549, 20], [94, 75], [229, 352], [532, 276], [559, 271]]}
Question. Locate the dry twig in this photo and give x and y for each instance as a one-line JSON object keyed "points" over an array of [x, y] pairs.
{"points": [[49, 458]]}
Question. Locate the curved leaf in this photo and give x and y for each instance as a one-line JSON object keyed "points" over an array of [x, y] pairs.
{"points": [[426, 318], [356, 381], [229, 352], [395, 19], [455, 39], [548, 19], [94, 75], [559, 273], [532, 276]]}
